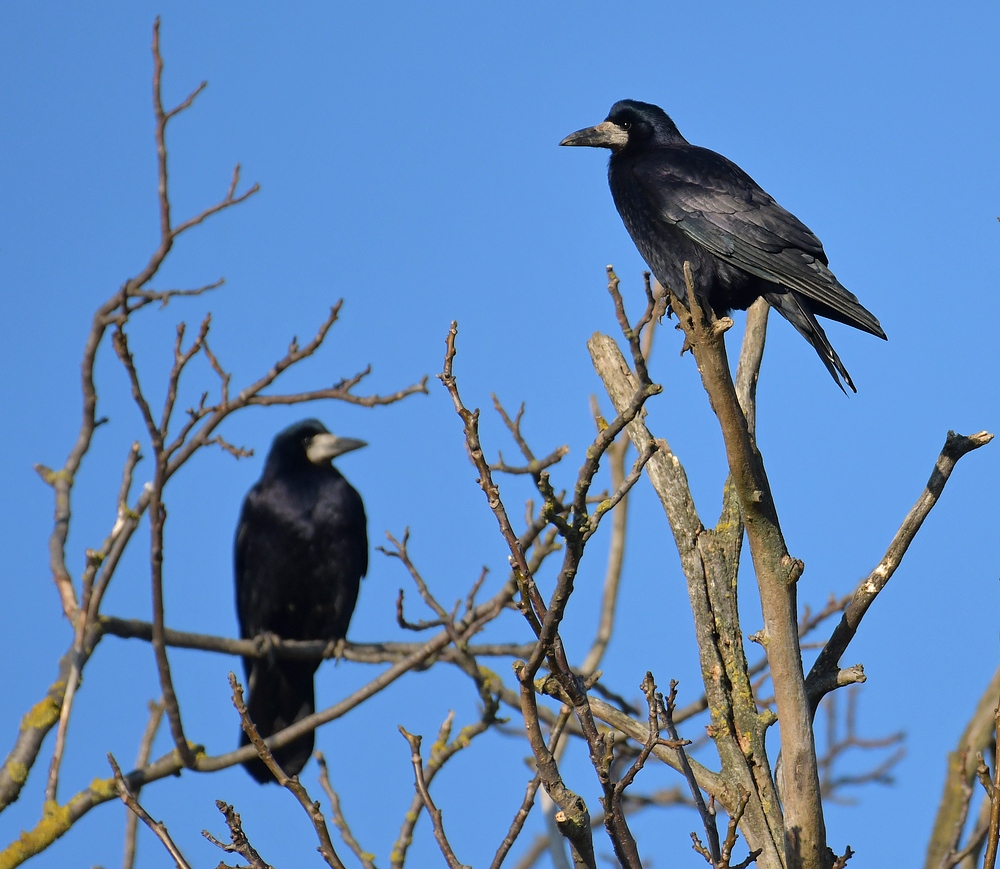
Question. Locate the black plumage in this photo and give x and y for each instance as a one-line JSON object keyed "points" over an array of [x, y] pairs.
{"points": [[301, 550], [683, 203]]}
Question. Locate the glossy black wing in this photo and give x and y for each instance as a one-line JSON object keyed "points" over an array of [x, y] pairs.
{"points": [[339, 551], [266, 538], [718, 206]]}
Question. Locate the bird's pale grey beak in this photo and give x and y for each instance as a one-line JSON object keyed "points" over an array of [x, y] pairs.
{"points": [[323, 447], [606, 135]]}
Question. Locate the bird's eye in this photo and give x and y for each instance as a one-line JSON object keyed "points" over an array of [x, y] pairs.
{"points": [[625, 125]]}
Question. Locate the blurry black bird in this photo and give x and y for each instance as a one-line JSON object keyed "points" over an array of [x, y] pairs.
{"points": [[301, 550], [683, 203]]}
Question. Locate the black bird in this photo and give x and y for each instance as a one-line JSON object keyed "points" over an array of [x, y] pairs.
{"points": [[301, 550], [683, 203]]}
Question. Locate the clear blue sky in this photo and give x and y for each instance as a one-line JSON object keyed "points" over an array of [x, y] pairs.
{"points": [[408, 163]]}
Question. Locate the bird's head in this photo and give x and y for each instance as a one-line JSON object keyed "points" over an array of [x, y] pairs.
{"points": [[629, 125], [309, 441]]}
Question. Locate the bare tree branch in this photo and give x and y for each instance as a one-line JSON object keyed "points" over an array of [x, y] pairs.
{"points": [[158, 827], [573, 818], [58, 819], [339, 821], [516, 825], [291, 784], [961, 771], [82, 622], [666, 797], [534, 466], [668, 705], [993, 836], [955, 446], [239, 843], [157, 510], [545, 619], [614, 792], [616, 550], [708, 559], [776, 572], [145, 749], [437, 817], [299, 650]]}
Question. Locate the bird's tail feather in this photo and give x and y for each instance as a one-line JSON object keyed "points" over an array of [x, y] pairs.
{"points": [[834, 301], [796, 310], [281, 693]]}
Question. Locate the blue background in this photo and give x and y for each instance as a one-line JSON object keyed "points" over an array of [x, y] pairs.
{"points": [[408, 163]]}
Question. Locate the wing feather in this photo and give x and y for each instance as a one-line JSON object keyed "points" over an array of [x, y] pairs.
{"points": [[718, 206]]}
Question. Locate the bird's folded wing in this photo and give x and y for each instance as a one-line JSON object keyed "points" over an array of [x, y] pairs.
{"points": [[718, 206]]}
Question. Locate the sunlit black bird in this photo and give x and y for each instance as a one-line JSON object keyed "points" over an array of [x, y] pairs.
{"points": [[683, 203], [301, 550]]}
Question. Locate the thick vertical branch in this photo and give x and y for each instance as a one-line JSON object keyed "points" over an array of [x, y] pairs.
{"points": [[993, 836], [737, 728], [777, 573], [573, 817], [961, 774]]}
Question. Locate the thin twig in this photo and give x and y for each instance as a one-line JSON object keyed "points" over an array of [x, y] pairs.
{"points": [[667, 706], [292, 784], [841, 861], [239, 843], [443, 750], [975, 843], [622, 491], [158, 827], [437, 817], [616, 551], [142, 758], [340, 822], [516, 825]]}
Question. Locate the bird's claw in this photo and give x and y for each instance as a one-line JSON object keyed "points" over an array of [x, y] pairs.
{"points": [[266, 641], [335, 649]]}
